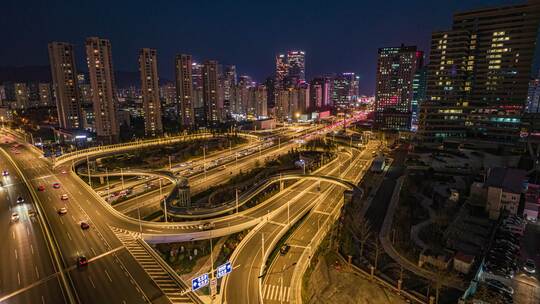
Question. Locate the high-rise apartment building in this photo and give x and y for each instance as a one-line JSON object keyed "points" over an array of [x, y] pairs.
{"points": [[185, 90], [22, 96], [321, 92], [419, 94], [104, 100], [396, 67], [282, 70], [45, 94], [150, 92], [259, 101], [296, 66], [212, 105], [228, 85], [64, 77], [478, 76], [345, 90]]}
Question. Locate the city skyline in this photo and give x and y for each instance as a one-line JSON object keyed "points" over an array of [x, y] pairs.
{"points": [[325, 53]]}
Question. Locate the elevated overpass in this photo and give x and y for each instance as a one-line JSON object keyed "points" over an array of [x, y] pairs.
{"points": [[70, 157]]}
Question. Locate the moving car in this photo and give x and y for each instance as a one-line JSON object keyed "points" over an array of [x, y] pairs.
{"points": [[64, 197], [20, 199], [14, 217], [5, 173], [206, 226], [41, 188], [529, 266], [82, 261], [56, 185], [85, 225], [284, 249], [62, 210]]}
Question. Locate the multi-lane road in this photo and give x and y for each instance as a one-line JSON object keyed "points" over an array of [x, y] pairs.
{"points": [[244, 284], [276, 285], [27, 271], [111, 267]]}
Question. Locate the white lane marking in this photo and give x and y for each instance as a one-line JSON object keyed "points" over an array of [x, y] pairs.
{"points": [[27, 231], [16, 255], [93, 251], [69, 236], [13, 234], [19, 277], [92, 282], [108, 276], [37, 272], [42, 300], [32, 249]]}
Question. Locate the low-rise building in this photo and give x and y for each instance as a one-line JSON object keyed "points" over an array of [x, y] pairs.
{"points": [[532, 202], [438, 259], [504, 188], [463, 262]]}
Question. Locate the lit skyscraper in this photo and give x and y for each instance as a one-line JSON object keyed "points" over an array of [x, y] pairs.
{"points": [[212, 106], [282, 70], [419, 94], [64, 76], [150, 92], [296, 66], [478, 76], [321, 92], [228, 86], [396, 67], [345, 90], [100, 70], [184, 90]]}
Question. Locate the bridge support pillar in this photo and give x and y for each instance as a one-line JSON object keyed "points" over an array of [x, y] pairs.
{"points": [[101, 180], [281, 185], [399, 283]]}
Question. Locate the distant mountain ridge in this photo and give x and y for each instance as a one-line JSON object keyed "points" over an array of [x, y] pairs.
{"points": [[42, 73]]}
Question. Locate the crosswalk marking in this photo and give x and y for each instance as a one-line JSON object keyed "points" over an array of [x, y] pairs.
{"points": [[276, 293], [162, 279]]}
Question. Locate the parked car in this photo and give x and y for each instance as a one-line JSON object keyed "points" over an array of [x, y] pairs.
{"points": [[529, 266]]}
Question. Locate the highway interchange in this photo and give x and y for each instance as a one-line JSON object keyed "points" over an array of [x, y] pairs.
{"points": [[112, 267]]}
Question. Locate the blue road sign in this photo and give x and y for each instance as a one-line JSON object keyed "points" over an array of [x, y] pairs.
{"points": [[223, 270], [200, 281]]}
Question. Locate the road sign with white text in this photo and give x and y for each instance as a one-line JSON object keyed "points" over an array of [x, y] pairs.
{"points": [[200, 281], [223, 270]]}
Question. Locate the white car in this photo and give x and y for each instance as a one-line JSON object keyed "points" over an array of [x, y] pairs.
{"points": [[64, 197], [62, 210]]}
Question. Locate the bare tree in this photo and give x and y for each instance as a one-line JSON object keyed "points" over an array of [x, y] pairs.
{"points": [[441, 279], [360, 229]]}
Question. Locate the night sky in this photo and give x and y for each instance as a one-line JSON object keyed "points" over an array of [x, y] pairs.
{"points": [[338, 36]]}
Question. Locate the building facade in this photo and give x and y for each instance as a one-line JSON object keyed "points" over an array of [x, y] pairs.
{"points": [[396, 67], [66, 90], [478, 76], [296, 63], [102, 83], [184, 90], [150, 92], [212, 105]]}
